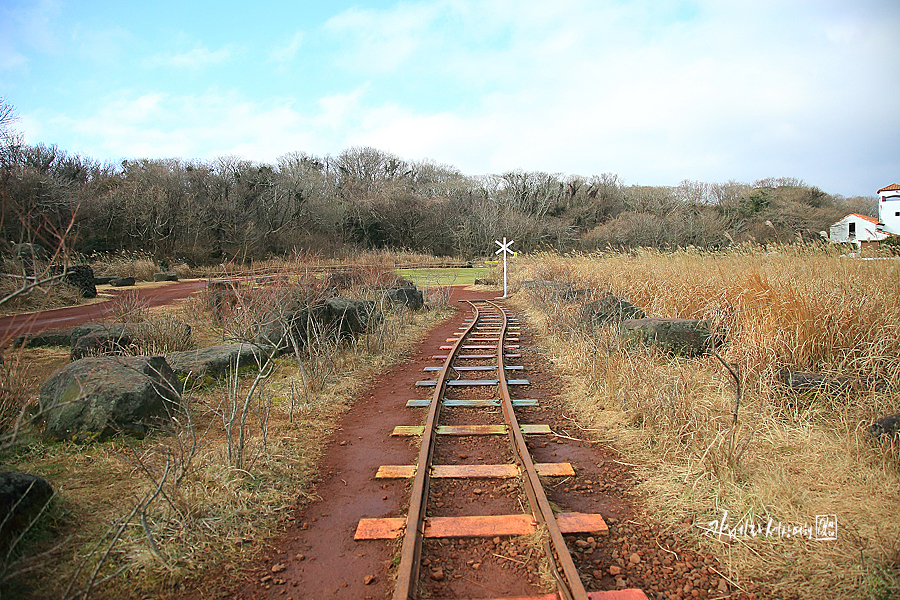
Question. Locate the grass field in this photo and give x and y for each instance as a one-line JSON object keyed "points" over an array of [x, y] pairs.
{"points": [[781, 455], [449, 276]]}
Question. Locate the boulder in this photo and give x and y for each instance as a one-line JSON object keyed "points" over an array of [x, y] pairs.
{"points": [[28, 253], [409, 297], [346, 317], [886, 426], [22, 497], [52, 337], [165, 277], [573, 294], [281, 329], [78, 276], [802, 382], [221, 299], [95, 398], [123, 281], [99, 339], [685, 337], [342, 317], [215, 361], [103, 279], [610, 309], [82, 277]]}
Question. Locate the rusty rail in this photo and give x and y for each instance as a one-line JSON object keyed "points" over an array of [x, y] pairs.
{"points": [[568, 581], [411, 550]]}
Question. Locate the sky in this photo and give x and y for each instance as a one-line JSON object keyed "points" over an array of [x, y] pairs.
{"points": [[655, 91]]}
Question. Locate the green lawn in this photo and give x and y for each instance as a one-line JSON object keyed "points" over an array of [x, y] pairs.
{"points": [[430, 277]]}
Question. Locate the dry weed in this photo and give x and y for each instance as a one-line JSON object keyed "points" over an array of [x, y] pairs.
{"points": [[16, 380], [181, 505], [45, 297], [125, 264], [789, 456]]}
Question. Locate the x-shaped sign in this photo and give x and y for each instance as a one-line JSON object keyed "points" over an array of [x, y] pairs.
{"points": [[504, 246]]}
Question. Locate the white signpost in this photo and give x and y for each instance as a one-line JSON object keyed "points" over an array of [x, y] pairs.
{"points": [[504, 248]]}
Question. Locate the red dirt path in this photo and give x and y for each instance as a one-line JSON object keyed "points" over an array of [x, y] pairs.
{"points": [[60, 318], [333, 565], [316, 556]]}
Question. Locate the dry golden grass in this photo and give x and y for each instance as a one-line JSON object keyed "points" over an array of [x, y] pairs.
{"points": [[125, 264], [139, 265], [790, 457], [44, 297], [210, 514], [16, 379]]}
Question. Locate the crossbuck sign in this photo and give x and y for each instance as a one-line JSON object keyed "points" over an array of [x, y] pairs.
{"points": [[504, 248]]}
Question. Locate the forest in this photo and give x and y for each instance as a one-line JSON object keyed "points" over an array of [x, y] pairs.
{"points": [[235, 209]]}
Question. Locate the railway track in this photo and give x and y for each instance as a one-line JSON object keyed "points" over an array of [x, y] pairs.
{"points": [[461, 494]]}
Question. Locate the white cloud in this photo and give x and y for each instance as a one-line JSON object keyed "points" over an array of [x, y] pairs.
{"points": [[197, 58], [382, 41], [649, 90], [155, 125], [653, 91], [286, 53], [341, 111], [25, 27], [101, 45]]}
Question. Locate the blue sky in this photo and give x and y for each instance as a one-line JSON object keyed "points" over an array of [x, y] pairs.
{"points": [[656, 91]]}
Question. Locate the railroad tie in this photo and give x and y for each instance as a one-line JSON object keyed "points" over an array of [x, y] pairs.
{"points": [[474, 471], [452, 402], [390, 528], [527, 429]]}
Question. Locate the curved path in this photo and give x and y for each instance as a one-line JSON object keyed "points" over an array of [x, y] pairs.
{"points": [[59, 318]]}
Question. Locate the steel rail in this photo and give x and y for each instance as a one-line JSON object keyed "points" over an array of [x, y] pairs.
{"points": [[411, 550], [569, 583]]}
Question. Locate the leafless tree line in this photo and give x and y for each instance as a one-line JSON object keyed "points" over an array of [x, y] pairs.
{"points": [[235, 209]]}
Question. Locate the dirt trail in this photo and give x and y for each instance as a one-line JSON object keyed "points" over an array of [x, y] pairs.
{"points": [[316, 557], [60, 318], [333, 565]]}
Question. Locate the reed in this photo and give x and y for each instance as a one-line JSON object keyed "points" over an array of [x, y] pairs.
{"points": [[781, 454]]}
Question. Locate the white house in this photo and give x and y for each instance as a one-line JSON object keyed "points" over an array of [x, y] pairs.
{"points": [[889, 208], [860, 229], [856, 228]]}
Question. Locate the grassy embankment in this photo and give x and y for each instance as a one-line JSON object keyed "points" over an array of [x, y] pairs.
{"points": [[788, 457]]}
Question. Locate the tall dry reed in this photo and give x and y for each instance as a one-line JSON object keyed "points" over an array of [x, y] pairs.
{"points": [[789, 456]]}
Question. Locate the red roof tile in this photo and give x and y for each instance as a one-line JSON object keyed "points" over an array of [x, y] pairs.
{"points": [[872, 220], [889, 188]]}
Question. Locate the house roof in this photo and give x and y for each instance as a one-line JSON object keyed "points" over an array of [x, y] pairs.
{"points": [[871, 220], [889, 188]]}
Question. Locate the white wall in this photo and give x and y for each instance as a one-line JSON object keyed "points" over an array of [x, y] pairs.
{"points": [[888, 209], [865, 230]]}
